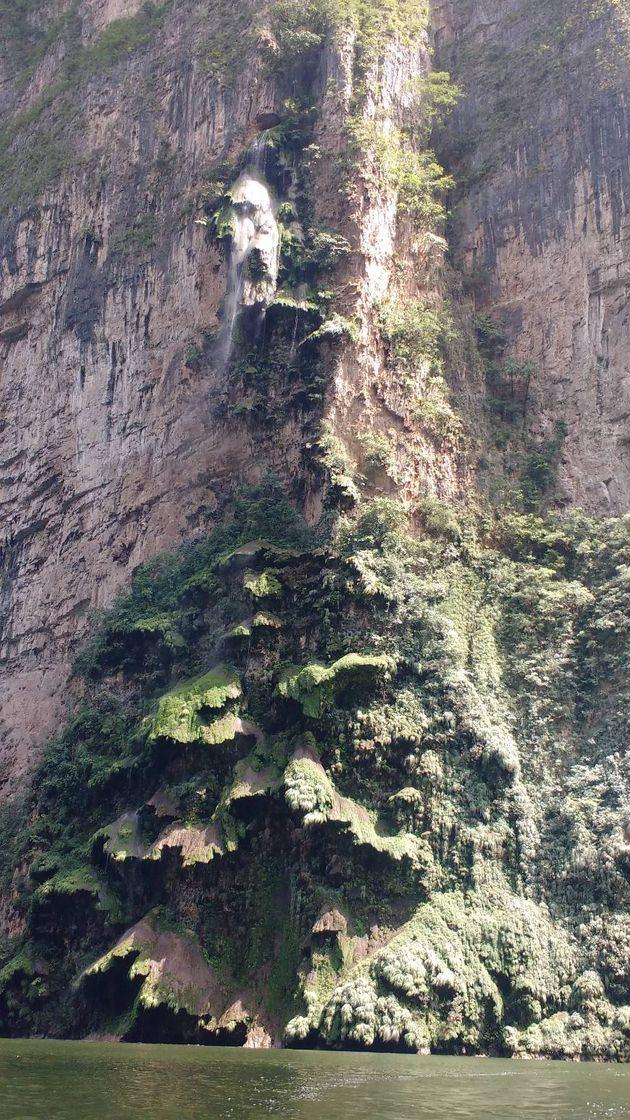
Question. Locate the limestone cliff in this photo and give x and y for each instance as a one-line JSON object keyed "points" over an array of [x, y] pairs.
{"points": [[120, 431], [314, 375], [540, 148]]}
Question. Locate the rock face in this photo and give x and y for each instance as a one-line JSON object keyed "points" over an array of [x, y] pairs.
{"points": [[111, 446], [110, 450], [541, 143], [119, 437]]}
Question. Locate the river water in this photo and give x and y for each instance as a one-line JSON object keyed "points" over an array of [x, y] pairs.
{"points": [[93, 1081]]}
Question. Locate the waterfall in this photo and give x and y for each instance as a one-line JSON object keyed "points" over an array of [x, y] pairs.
{"points": [[258, 152], [255, 229]]}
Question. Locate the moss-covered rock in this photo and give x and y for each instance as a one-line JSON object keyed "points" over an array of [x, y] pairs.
{"points": [[182, 715], [315, 686], [262, 585], [425, 738]]}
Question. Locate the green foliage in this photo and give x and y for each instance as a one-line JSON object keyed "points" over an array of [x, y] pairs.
{"points": [[308, 791], [118, 40], [335, 329], [528, 537], [572, 1037], [539, 472], [460, 782], [509, 381], [300, 32], [315, 686], [378, 450], [511, 385], [327, 248], [414, 333], [436, 96], [180, 715], [509, 388], [491, 339], [452, 974], [262, 585], [229, 39], [223, 222], [417, 336], [414, 176], [472, 752], [337, 462], [440, 519], [380, 525], [164, 588], [399, 159], [77, 768]]}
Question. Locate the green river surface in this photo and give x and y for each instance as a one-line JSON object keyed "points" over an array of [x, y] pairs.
{"points": [[97, 1081]]}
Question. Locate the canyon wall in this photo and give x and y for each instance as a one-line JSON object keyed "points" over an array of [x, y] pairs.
{"points": [[541, 150], [313, 382], [116, 447]]}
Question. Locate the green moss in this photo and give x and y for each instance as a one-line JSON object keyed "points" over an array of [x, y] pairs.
{"points": [[221, 730], [223, 222], [338, 464], [467, 796], [316, 686], [263, 620], [565, 1035], [378, 451], [243, 630], [308, 790], [120, 38], [19, 965], [335, 329], [80, 880], [122, 839], [180, 715], [262, 585], [453, 975]]}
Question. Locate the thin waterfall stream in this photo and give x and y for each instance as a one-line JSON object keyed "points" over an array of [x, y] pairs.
{"points": [[255, 230]]}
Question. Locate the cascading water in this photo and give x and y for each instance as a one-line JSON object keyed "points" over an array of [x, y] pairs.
{"points": [[254, 230], [258, 151]]}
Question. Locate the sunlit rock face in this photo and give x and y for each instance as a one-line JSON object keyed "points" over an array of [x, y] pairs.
{"points": [[117, 446], [122, 432]]}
